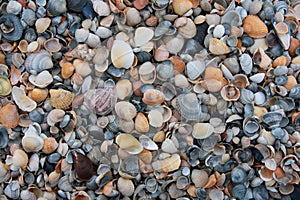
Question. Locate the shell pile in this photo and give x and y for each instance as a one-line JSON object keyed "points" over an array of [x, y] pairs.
{"points": [[160, 99]]}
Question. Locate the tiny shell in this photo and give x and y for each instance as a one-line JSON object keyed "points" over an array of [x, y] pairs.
{"points": [[125, 110], [254, 27], [23, 102], [9, 116], [121, 54], [153, 97], [218, 47], [129, 143], [60, 98], [181, 6], [262, 59], [141, 123], [202, 130]]}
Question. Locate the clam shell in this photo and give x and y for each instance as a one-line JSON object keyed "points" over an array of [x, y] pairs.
{"points": [[9, 116], [232, 17], [230, 93], [295, 92], [56, 8], [50, 145], [141, 123], [123, 89], [246, 63], [37, 62], [52, 45], [38, 94], [18, 160], [188, 30], [28, 16], [143, 35], [60, 98], [168, 164], [5, 86], [42, 24], [133, 17], [148, 143], [181, 81], [31, 141], [121, 54], [188, 106], [82, 67], [202, 130], [181, 6], [23, 102], [194, 69], [41, 80], [125, 186], [165, 70], [168, 90], [254, 27], [147, 72], [129, 143], [67, 70], [125, 110], [101, 8], [257, 78], [218, 47], [161, 53], [155, 118], [199, 177], [153, 97], [272, 119]]}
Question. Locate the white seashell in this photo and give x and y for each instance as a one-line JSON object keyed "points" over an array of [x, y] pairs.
{"points": [[121, 54], [147, 143], [103, 32], [219, 31], [168, 146], [175, 44], [257, 78], [194, 69], [41, 80], [125, 110], [31, 141], [101, 7], [81, 35], [143, 35], [33, 164], [155, 118], [202, 130], [93, 40], [23, 102], [246, 63], [181, 81], [129, 143], [13, 7], [260, 98]]}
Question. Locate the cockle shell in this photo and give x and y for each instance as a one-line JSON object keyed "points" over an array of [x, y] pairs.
{"points": [[9, 116], [52, 45], [202, 130], [254, 27], [194, 69], [218, 47], [188, 30], [129, 143], [60, 98], [37, 62], [125, 186], [123, 89], [50, 145], [41, 80], [188, 106], [5, 86], [147, 72], [153, 97], [38, 94], [31, 141], [23, 102], [141, 123], [125, 110], [181, 6], [168, 164], [121, 54], [133, 16]]}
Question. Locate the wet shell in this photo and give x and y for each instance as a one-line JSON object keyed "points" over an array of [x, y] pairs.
{"points": [[41, 80], [202, 130], [60, 98], [5, 86], [153, 97], [9, 116], [125, 110], [121, 54], [168, 164], [218, 47], [254, 27], [129, 143], [141, 123], [125, 186], [188, 106], [23, 102], [181, 6], [83, 166], [37, 62]]}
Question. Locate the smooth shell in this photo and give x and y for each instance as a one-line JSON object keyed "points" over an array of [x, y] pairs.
{"points": [[153, 97], [202, 130], [5, 86], [121, 54], [129, 143], [218, 47], [125, 110], [42, 79], [9, 116], [254, 27]]}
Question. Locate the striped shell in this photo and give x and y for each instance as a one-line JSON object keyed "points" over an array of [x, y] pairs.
{"points": [[60, 98], [37, 62], [188, 106]]}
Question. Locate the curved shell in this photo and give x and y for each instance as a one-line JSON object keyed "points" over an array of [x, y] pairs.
{"points": [[50, 145], [28, 16], [123, 88], [181, 6], [147, 72], [41, 80], [230, 93], [141, 123], [165, 70], [125, 110], [60, 98], [188, 30], [246, 63], [254, 27], [232, 17], [5, 86], [295, 92], [188, 106], [218, 47], [125, 186], [9, 116], [155, 118], [18, 160], [194, 69], [153, 97], [202, 130], [37, 62], [83, 166], [168, 90], [57, 7], [129, 143], [11, 27], [168, 164], [3, 144], [23, 102], [52, 45], [143, 35], [38, 94], [31, 141], [272, 119], [121, 54]]}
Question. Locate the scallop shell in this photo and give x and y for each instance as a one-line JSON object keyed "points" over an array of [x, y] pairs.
{"points": [[31, 141], [180, 7], [129, 143], [202, 130], [9, 116], [254, 27], [37, 62], [147, 72], [60, 98], [125, 110], [5, 86], [168, 164], [41, 80], [153, 97], [218, 47], [188, 106], [121, 54], [125, 186], [23, 102], [141, 123]]}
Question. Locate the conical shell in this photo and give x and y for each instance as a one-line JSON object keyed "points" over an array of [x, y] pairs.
{"points": [[255, 27], [121, 54], [60, 98], [9, 116], [129, 143]]}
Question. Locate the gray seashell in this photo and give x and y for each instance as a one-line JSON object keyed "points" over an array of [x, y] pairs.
{"points": [[287, 104], [280, 70], [246, 4], [226, 72], [30, 35], [246, 96], [11, 27], [232, 17], [41, 2], [151, 184], [278, 133], [37, 62], [81, 35], [255, 7], [248, 110], [260, 98], [250, 126], [28, 16], [232, 64], [246, 63], [219, 31], [13, 7], [168, 90], [257, 78], [232, 41], [247, 41], [27, 195], [295, 92], [188, 106], [239, 191], [281, 6], [162, 28], [272, 119], [4, 137], [29, 178], [12, 190], [238, 175], [64, 184], [206, 6], [165, 70], [194, 69], [103, 32], [281, 80], [57, 7]]}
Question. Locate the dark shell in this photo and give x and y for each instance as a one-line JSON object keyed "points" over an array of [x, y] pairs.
{"points": [[281, 80], [245, 156], [260, 192], [76, 5], [88, 10], [30, 35], [201, 33], [247, 41], [239, 191], [143, 56], [83, 166], [238, 175], [57, 7], [295, 92], [13, 27], [3, 137]]}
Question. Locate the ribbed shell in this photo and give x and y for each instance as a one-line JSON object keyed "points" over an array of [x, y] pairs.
{"points": [[188, 106], [17, 31], [60, 98], [37, 62]]}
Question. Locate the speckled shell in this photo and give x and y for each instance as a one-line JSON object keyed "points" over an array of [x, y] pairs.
{"points": [[254, 27], [60, 98], [37, 62], [9, 116]]}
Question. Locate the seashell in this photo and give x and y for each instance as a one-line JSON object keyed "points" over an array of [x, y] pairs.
{"points": [[52, 45], [181, 81], [18, 160], [9, 116], [153, 97], [199, 177], [121, 54], [295, 92], [255, 7], [140, 4], [202, 130], [81, 35], [213, 73], [180, 7], [12, 190], [147, 143], [56, 8], [133, 17], [141, 123], [188, 106], [11, 27], [194, 69], [81, 195], [125, 110], [257, 78], [50, 145], [5, 86], [60, 98], [151, 184], [123, 89], [262, 59], [175, 44], [211, 181], [93, 40], [161, 53], [129, 143], [147, 72], [17, 59], [142, 35], [101, 8], [218, 31], [240, 80], [152, 21], [83, 166], [281, 80], [38, 94], [129, 167], [232, 17], [3, 144], [31, 141], [182, 182], [41, 80], [254, 27], [125, 186], [189, 29], [250, 126], [42, 24], [216, 194], [28, 16], [272, 119], [239, 191], [260, 98], [230, 93], [168, 164], [165, 70], [168, 90], [178, 64], [37, 62], [287, 104], [218, 47], [246, 63], [23, 102], [291, 82], [13, 7], [155, 118], [67, 70], [246, 96]]}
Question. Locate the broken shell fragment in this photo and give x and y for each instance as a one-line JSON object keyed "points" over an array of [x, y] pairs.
{"points": [[23, 102]]}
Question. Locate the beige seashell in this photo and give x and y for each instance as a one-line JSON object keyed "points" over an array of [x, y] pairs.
{"points": [[121, 54], [181, 81], [155, 118], [41, 80], [141, 123], [188, 30], [129, 143], [200, 19], [151, 21], [125, 110], [202, 130], [133, 16], [153, 97], [23, 44], [17, 60], [67, 70], [125, 186], [254, 27], [159, 136], [42, 24], [218, 47], [18, 160], [52, 45], [281, 28], [168, 164], [123, 89], [32, 142], [23, 102], [167, 114], [93, 40], [33, 46], [143, 35], [82, 67], [161, 53], [240, 80], [50, 145], [212, 85], [168, 146], [291, 82], [101, 8], [199, 177], [175, 44], [213, 73], [230, 93], [262, 59], [181, 6], [126, 126], [60, 98]]}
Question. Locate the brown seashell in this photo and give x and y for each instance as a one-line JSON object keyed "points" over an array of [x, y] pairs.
{"points": [[213, 73], [81, 195], [230, 93], [218, 47], [211, 181], [83, 166], [145, 156], [38, 94], [159, 136], [153, 97], [67, 70], [282, 28], [15, 75], [255, 27], [161, 53], [50, 145], [9, 116], [178, 64], [23, 44], [262, 59], [60, 98], [294, 44], [151, 21], [281, 61], [240, 80], [181, 6], [140, 4], [141, 123], [291, 82]]}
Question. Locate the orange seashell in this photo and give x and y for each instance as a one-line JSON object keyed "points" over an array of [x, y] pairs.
{"points": [[9, 116], [141, 123], [255, 27], [195, 3], [211, 181], [140, 4], [50, 145], [67, 70], [293, 46], [281, 61], [38, 94], [178, 64], [191, 190], [60, 98], [161, 53], [279, 173], [108, 188], [291, 82], [151, 21], [181, 6], [213, 73], [15, 75], [153, 97]]}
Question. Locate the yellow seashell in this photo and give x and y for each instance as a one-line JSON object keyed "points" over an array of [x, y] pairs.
{"points": [[5, 86]]}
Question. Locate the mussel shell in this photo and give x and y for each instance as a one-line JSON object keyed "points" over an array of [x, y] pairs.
{"points": [[14, 23], [83, 166]]}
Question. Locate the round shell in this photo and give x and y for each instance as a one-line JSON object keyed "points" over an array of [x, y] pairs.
{"points": [[153, 97], [52, 45], [218, 47], [5, 86], [9, 116], [121, 54], [32, 142], [141, 123], [188, 106], [125, 110], [60, 98], [42, 79], [37, 62], [38, 94], [202, 130], [147, 72], [181, 6], [125, 186]]}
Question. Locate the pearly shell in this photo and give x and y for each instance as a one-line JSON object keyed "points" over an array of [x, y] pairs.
{"points": [[121, 54], [129, 143], [123, 89]]}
